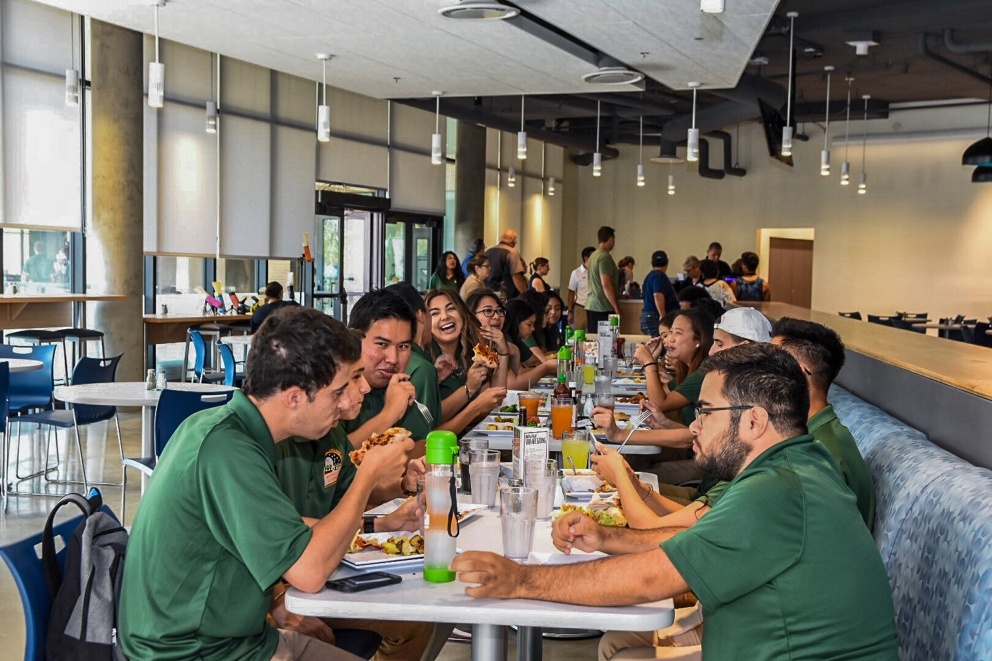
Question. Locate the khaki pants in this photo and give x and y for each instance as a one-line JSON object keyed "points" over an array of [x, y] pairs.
{"points": [[681, 640], [295, 646]]}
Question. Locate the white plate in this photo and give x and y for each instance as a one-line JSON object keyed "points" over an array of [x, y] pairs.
{"points": [[369, 558]]}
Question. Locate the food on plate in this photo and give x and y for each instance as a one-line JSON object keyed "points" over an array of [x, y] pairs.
{"points": [[509, 408], [391, 435], [606, 487], [486, 355], [498, 426], [504, 418], [533, 421], [397, 545], [632, 399], [607, 515], [620, 416]]}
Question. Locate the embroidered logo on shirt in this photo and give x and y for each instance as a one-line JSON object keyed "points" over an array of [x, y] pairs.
{"points": [[333, 461]]}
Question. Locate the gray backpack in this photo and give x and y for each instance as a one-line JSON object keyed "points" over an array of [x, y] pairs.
{"points": [[86, 595]]}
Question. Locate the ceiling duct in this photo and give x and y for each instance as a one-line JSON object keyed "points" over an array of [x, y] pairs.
{"points": [[668, 153], [616, 75], [704, 162], [964, 49], [742, 106], [479, 10], [727, 144]]}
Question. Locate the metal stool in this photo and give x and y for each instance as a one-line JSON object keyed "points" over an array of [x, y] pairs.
{"points": [[38, 336], [81, 337]]}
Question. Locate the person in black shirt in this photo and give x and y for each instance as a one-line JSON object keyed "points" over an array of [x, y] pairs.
{"points": [[713, 254], [273, 301]]}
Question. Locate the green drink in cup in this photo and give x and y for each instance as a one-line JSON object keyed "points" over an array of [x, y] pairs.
{"points": [[574, 451]]}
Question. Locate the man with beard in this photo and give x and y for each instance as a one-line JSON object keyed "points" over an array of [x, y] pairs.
{"points": [[783, 564]]}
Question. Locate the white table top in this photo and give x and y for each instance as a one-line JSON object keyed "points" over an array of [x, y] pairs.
{"points": [[504, 441], [237, 340], [22, 364], [417, 600], [125, 393]]}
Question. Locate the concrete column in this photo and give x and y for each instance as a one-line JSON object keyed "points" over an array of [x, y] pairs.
{"points": [[114, 238], [470, 186]]}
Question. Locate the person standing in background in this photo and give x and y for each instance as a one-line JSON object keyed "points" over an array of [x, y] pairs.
{"points": [[713, 254], [750, 287], [578, 291], [692, 273], [507, 267], [602, 277], [539, 268], [626, 265], [38, 267], [659, 295], [448, 274], [476, 248]]}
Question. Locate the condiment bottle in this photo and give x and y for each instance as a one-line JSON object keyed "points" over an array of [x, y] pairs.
{"points": [[441, 520], [564, 362], [150, 380], [160, 382]]}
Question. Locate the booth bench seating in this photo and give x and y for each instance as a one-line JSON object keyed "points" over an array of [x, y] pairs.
{"points": [[933, 527]]}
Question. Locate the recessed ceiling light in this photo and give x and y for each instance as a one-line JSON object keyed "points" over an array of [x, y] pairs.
{"points": [[613, 76], [479, 10]]}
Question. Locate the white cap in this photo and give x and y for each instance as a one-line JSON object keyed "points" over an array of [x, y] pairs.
{"points": [[747, 323]]}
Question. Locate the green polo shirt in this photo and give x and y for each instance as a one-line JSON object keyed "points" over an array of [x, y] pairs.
{"points": [[601, 263], [213, 534], [825, 427], [784, 566], [315, 474], [423, 376], [689, 388]]}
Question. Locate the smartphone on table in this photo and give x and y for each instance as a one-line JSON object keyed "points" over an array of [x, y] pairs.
{"points": [[360, 582]]}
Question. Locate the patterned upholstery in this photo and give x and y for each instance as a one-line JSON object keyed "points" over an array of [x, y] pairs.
{"points": [[933, 528]]}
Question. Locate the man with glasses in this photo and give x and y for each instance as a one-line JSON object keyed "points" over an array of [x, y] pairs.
{"points": [[783, 564]]}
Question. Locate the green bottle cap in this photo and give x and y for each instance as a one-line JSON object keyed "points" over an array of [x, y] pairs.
{"points": [[564, 353], [580, 335], [442, 447]]}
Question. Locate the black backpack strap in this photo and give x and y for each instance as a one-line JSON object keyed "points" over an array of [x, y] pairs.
{"points": [[49, 561]]}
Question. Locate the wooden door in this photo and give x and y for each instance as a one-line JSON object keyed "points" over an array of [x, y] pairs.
{"points": [[790, 271]]}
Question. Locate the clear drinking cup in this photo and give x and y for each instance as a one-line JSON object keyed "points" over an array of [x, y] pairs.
{"points": [[610, 367], [518, 512], [483, 471], [465, 447], [531, 402], [542, 475], [574, 451]]}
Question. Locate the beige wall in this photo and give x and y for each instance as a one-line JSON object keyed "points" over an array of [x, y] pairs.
{"points": [[917, 240]]}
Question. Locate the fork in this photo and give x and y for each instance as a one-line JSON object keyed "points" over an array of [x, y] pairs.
{"points": [[426, 412], [635, 422]]}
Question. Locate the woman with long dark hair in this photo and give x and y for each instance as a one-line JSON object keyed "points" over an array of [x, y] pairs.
{"points": [[491, 314], [539, 268], [448, 274]]}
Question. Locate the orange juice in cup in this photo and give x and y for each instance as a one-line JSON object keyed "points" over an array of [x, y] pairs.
{"points": [[530, 401], [561, 416]]}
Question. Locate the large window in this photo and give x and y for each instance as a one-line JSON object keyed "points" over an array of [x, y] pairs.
{"points": [[37, 261]]}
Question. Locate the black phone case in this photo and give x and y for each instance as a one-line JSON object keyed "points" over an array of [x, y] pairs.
{"points": [[361, 582]]}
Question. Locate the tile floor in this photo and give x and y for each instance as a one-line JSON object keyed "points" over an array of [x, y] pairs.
{"points": [[26, 515]]}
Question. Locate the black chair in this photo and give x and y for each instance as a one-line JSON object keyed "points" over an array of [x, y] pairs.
{"points": [[980, 334], [882, 320], [87, 371], [360, 642], [851, 315], [38, 336]]}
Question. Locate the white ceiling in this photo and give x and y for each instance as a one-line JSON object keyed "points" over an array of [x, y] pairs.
{"points": [[404, 49]]}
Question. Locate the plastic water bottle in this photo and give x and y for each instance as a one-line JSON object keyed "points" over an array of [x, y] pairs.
{"points": [[439, 540]]}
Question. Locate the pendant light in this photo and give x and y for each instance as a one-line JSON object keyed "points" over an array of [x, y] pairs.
{"points": [[551, 186], [323, 110], [863, 182], [712, 6], [692, 144], [211, 104], [640, 156], [980, 152], [522, 134], [511, 177], [597, 158], [845, 167], [825, 154], [156, 71], [71, 75], [671, 184], [787, 129], [437, 157]]}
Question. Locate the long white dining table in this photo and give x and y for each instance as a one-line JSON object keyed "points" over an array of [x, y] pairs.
{"points": [[414, 599]]}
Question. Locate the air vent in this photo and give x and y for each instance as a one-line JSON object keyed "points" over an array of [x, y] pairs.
{"points": [[613, 76], [479, 10]]}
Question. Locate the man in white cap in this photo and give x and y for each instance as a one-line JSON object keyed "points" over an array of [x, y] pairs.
{"points": [[740, 325]]}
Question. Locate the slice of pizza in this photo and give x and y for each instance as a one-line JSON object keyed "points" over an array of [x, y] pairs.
{"points": [[486, 355], [391, 435]]}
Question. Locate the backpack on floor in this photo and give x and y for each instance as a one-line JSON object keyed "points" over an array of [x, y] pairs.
{"points": [[85, 598]]}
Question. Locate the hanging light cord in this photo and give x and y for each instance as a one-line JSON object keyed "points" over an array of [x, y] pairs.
{"points": [[597, 124], [640, 148], [437, 115], [694, 106], [156, 32], [72, 41], [792, 35], [521, 112], [324, 81], [826, 120], [737, 148], [847, 124], [864, 138]]}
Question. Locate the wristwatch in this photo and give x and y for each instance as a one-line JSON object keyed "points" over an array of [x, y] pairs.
{"points": [[368, 523]]}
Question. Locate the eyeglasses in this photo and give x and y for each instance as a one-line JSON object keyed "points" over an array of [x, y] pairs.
{"points": [[489, 312], [706, 410]]}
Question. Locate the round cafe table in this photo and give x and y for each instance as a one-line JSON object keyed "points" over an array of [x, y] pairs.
{"points": [[130, 393], [22, 364]]}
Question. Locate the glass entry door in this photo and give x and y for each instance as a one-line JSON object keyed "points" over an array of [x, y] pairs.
{"points": [[344, 259], [412, 248]]}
